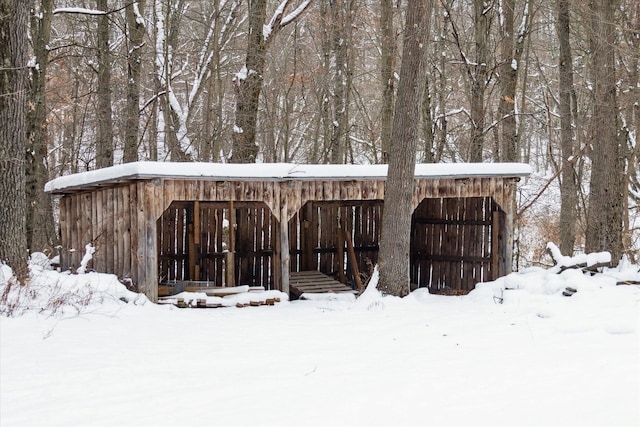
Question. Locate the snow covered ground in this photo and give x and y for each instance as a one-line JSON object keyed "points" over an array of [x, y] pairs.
{"points": [[80, 350]]}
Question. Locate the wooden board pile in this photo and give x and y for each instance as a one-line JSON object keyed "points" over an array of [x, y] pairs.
{"points": [[315, 282], [216, 297]]}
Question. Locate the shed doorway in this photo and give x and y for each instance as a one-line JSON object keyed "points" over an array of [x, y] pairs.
{"points": [[337, 238], [456, 243], [220, 243]]}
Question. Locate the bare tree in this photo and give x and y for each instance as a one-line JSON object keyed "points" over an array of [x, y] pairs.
{"points": [[387, 72], [341, 23], [104, 131], [14, 28], [481, 11], [40, 224], [630, 112], [605, 214], [393, 260], [568, 184], [477, 73], [248, 82], [135, 36], [512, 47]]}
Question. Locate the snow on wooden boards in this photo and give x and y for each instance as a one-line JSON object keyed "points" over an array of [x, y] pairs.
{"points": [[198, 295], [311, 282], [203, 303]]}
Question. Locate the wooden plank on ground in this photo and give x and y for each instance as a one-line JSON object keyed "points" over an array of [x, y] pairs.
{"points": [[314, 282]]}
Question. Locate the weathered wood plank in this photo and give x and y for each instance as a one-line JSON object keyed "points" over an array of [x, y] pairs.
{"points": [[143, 280], [153, 199], [285, 257], [133, 230]]}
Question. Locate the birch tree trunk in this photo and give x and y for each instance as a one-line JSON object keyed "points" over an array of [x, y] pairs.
{"points": [[13, 95], [393, 260]]}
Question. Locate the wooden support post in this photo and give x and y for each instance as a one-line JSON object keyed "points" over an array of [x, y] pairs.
{"points": [[354, 262], [191, 252], [340, 254], [312, 235], [195, 250], [285, 256], [495, 245], [151, 198], [230, 261], [304, 245]]}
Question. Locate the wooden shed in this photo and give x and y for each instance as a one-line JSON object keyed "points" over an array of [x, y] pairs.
{"points": [[158, 223]]}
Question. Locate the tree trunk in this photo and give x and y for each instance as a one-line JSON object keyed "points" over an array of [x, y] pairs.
{"points": [[248, 85], [395, 237], [508, 80], [388, 54], [427, 124], [440, 128], [41, 234], [209, 145], [248, 82], [605, 213], [104, 137], [568, 184], [479, 80], [135, 36], [14, 15], [341, 22]]}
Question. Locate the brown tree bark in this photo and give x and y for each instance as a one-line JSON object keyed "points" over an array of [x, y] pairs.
{"points": [[477, 73], [341, 22], [41, 234], [393, 259], [568, 184], [104, 131], [479, 80], [605, 212], [388, 54], [511, 53], [248, 83], [14, 29], [135, 36]]}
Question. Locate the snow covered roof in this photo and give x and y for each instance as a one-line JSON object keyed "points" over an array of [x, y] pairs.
{"points": [[274, 172]]}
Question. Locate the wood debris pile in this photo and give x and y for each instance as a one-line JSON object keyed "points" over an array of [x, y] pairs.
{"points": [[216, 297]]}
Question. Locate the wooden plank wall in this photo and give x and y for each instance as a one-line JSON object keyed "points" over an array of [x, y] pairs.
{"points": [[452, 244], [106, 219], [194, 238]]}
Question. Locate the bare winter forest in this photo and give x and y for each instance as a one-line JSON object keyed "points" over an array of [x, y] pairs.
{"points": [[551, 83]]}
